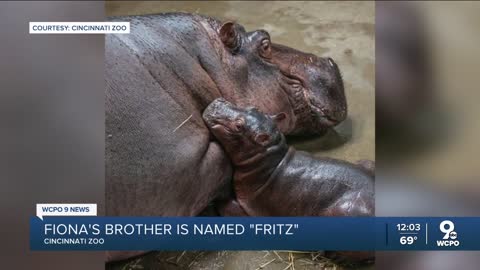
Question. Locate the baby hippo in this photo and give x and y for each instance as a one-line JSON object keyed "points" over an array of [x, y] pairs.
{"points": [[273, 179]]}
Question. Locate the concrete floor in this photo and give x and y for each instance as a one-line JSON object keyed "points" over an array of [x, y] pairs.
{"points": [[342, 30]]}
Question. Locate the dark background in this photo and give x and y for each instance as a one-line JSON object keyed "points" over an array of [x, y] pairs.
{"points": [[51, 125]]}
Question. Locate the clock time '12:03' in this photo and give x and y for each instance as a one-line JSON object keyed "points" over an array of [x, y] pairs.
{"points": [[402, 227]]}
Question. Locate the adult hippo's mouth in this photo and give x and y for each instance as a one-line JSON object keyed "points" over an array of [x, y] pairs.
{"points": [[312, 117], [322, 116], [315, 89]]}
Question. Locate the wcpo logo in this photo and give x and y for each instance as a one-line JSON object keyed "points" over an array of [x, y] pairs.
{"points": [[450, 238]]}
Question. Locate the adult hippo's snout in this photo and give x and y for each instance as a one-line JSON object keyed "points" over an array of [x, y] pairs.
{"points": [[326, 90], [315, 87]]}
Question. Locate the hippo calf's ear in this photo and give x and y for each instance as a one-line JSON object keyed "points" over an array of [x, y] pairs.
{"points": [[229, 37]]}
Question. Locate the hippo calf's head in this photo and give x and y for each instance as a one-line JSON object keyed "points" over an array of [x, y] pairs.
{"points": [[315, 87], [275, 78], [244, 133]]}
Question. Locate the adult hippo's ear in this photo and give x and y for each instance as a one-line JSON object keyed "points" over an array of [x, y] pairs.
{"points": [[279, 117], [229, 36]]}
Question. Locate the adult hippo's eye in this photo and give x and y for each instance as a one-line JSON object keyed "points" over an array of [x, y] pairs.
{"points": [[295, 83], [296, 86], [265, 49]]}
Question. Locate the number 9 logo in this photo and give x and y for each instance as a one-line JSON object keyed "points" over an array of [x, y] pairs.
{"points": [[446, 227]]}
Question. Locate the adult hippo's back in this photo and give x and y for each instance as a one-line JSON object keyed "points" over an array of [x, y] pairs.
{"points": [[160, 159]]}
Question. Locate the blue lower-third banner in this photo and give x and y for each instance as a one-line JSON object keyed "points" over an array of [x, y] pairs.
{"points": [[254, 233]]}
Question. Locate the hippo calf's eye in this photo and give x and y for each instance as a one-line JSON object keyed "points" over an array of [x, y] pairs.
{"points": [[265, 49]]}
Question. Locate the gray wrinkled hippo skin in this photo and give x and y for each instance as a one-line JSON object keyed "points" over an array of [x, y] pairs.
{"points": [[273, 179], [160, 159]]}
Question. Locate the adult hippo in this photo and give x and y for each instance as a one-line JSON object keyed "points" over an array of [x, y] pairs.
{"points": [[160, 158]]}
